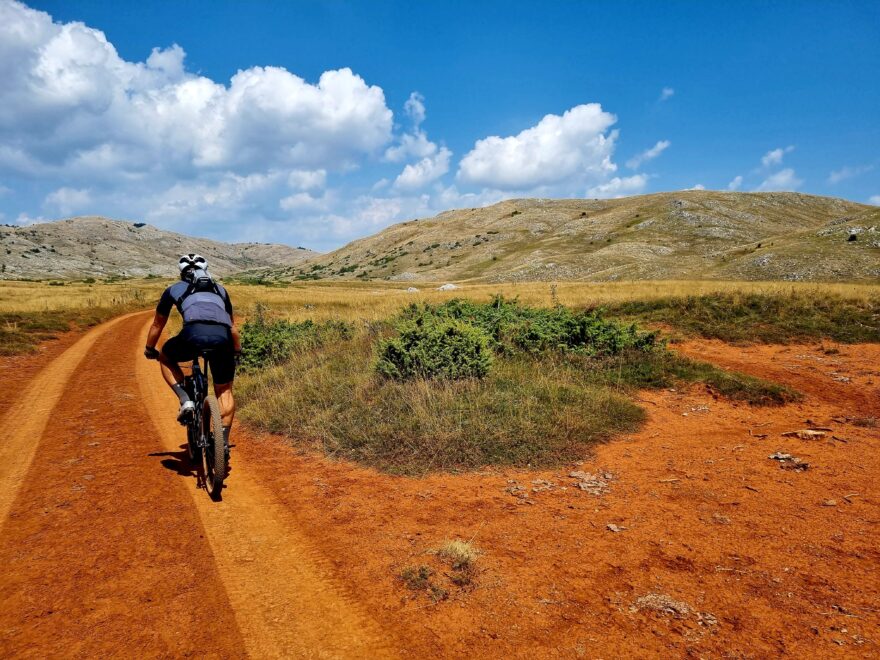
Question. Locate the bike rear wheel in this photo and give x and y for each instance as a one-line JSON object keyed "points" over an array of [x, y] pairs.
{"points": [[214, 452]]}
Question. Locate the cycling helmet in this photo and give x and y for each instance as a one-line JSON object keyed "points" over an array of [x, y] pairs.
{"points": [[188, 262]]}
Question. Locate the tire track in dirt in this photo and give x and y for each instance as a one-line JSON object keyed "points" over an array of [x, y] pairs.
{"points": [[25, 421], [286, 601], [103, 553]]}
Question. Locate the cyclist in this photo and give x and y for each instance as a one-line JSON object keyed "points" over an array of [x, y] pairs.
{"points": [[208, 322]]}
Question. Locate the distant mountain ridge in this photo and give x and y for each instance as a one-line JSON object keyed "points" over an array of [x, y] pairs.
{"points": [[677, 235], [94, 246]]}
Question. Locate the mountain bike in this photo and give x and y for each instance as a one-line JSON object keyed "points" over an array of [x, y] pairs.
{"points": [[206, 445]]}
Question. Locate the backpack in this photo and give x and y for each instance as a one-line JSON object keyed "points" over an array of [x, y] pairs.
{"points": [[203, 301]]}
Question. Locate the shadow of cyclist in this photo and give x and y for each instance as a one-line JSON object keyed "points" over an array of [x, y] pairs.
{"points": [[178, 461]]}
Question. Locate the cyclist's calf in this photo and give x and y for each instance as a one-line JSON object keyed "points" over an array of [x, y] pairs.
{"points": [[227, 402]]}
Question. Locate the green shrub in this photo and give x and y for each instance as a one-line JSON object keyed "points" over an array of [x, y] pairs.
{"points": [[435, 348], [267, 342], [513, 327]]}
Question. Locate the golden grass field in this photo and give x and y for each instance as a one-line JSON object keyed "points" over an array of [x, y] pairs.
{"points": [[375, 300]]}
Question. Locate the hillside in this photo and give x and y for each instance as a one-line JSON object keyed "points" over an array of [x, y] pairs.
{"points": [[98, 247], [678, 235]]}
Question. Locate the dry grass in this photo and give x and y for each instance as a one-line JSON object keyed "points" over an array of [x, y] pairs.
{"points": [[368, 301], [25, 297], [460, 554], [372, 301], [32, 312], [351, 301]]}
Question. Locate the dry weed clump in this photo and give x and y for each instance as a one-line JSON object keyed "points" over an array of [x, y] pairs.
{"points": [[460, 554], [462, 558]]}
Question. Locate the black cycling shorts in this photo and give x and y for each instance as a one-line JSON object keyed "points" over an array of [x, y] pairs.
{"points": [[196, 336]]}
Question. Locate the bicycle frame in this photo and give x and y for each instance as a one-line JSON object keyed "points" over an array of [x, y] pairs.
{"points": [[200, 391]]}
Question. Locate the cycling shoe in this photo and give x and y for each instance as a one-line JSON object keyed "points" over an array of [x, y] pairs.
{"points": [[187, 408]]}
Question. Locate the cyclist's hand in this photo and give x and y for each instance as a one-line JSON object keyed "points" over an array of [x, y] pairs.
{"points": [[151, 353], [237, 358]]}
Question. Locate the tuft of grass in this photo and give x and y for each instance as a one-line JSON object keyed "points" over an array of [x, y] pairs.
{"points": [[416, 578], [437, 593], [462, 557], [460, 554], [784, 317]]}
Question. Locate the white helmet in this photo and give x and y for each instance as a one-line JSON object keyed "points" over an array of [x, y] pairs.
{"points": [[190, 261]]}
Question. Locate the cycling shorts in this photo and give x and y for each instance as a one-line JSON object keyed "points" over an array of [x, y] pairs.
{"points": [[199, 336]]}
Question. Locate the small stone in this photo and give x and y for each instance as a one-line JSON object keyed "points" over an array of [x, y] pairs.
{"points": [[614, 528], [829, 503], [805, 434]]}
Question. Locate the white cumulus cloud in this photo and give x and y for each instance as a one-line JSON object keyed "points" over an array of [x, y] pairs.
{"points": [[92, 131], [874, 199], [307, 179], [573, 147], [648, 154], [666, 93], [774, 156], [428, 169], [735, 183], [71, 107], [783, 180], [619, 187]]}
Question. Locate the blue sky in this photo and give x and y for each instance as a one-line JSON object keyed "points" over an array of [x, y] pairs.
{"points": [[318, 122]]}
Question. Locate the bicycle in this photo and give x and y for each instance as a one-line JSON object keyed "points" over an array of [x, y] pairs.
{"points": [[206, 445]]}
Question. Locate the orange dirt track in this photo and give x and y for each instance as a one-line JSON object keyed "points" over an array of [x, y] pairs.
{"points": [[107, 547]]}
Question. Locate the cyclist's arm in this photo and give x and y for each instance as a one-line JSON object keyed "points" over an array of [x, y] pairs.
{"points": [[156, 329], [236, 338]]}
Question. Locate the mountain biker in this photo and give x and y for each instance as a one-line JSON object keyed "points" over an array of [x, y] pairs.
{"points": [[208, 322]]}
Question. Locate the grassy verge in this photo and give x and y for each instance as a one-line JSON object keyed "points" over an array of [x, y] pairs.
{"points": [[32, 312], [532, 408], [21, 332], [769, 318]]}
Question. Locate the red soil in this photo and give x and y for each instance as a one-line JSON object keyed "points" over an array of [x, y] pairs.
{"points": [[106, 551]]}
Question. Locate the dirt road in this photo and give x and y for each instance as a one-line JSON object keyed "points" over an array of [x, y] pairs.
{"points": [[700, 546], [107, 552]]}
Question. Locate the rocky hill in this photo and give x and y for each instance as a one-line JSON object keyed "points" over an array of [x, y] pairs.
{"points": [[678, 235], [99, 247]]}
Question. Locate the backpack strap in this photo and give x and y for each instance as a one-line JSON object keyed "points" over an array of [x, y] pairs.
{"points": [[191, 289]]}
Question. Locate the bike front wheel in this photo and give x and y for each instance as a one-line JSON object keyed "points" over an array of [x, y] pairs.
{"points": [[214, 452]]}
